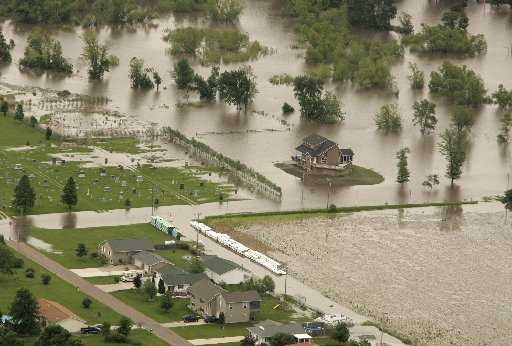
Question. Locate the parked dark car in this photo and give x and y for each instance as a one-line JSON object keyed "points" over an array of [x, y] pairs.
{"points": [[315, 328], [210, 319], [190, 318], [90, 330]]}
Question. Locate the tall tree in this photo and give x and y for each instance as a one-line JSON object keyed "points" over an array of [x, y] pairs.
{"points": [[184, 75], [237, 87], [4, 107], [149, 289], [69, 194], [424, 116], [24, 195], [5, 50], [7, 260], [137, 281], [341, 333], [25, 313], [125, 326], [161, 286], [9, 338], [19, 114], [453, 148], [403, 170], [96, 55]]}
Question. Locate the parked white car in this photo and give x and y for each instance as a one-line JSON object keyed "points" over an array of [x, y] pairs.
{"points": [[129, 277]]}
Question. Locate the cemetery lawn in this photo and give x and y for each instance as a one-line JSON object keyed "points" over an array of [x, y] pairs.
{"points": [[65, 241], [58, 290], [137, 300]]}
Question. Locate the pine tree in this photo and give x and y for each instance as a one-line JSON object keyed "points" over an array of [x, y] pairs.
{"points": [[403, 170], [24, 312], [161, 286], [24, 195], [81, 250], [166, 303], [19, 114], [69, 196]]}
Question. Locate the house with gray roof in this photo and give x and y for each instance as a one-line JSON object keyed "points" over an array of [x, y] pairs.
{"points": [[221, 270], [146, 260], [209, 299], [121, 251], [264, 331], [176, 280], [318, 151]]}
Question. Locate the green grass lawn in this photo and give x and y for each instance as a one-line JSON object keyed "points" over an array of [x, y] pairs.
{"points": [[138, 301], [269, 311], [15, 133], [177, 257], [212, 330], [137, 336], [102, 280], [66, 240], [58, 290]]}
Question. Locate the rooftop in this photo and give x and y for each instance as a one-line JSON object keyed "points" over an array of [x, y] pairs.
{"points": [[173, 276], [241, 297], [267, 329], [148, 258], [315, 145], [205, 290], [129, 245], [218, 265]]}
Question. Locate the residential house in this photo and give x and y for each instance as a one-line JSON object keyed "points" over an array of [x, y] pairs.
{"points": [[121, 251], [221, 270], [318, 151], [176, 280], [146, 260], [207, 298], [54, 313], [264, 331]]}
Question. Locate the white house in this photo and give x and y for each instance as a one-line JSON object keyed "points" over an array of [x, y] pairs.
{"points": [[221, 270]]}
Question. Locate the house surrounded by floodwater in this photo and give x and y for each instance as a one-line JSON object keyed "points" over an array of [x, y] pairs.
{"points": [[319, 152]]}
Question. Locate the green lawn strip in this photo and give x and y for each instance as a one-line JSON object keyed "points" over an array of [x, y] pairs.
{"points": [[177, 257], [58, 290], [137, 336], [325, 340], [121, 145], [66, 240], [212, 330], [14, 133], [273, 309], [101, 280], [138, 301]]}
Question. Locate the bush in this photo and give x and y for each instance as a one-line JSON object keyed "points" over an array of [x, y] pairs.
{"points": [[30, 273], [116, 338], [287, 108], [45, 278], [388, 118], [86, 303]]}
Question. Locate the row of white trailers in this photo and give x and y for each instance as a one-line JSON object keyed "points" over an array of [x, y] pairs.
{"points": [[239, 248]]}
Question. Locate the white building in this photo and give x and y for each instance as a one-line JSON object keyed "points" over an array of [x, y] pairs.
{"points": [[221, 270]]}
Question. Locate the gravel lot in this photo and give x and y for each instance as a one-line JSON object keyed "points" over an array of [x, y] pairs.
{"points": [[442, 278]]}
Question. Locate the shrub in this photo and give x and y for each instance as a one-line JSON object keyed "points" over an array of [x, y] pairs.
{"points": [[287, 108], [388, 118], [86, 303], [30, 273], [45, 278]]}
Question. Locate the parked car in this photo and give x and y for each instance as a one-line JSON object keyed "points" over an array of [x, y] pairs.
{"points": [[210, 319], [129, 277], [91, 329], [190, 318]]}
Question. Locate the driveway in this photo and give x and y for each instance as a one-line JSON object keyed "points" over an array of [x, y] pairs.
{"points": [[121, 286], [105, 271], [165, 334], [214, 341], [182, 324]]}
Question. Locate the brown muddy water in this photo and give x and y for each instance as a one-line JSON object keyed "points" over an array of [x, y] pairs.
{"points": [[485, 172]]}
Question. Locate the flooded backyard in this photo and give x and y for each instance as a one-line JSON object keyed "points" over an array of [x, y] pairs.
{"points": [[440, 276], [263, 136]]}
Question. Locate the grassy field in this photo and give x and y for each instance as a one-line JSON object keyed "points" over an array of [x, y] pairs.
{"points": [[102, 280], [58, 290], [212, 330], [99, 188], [177, 257], [138, 301], [137, 336], [66, 240]]}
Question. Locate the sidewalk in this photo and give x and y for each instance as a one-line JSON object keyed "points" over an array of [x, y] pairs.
{"points": [[214, 341]]}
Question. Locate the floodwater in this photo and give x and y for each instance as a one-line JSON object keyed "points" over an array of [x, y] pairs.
{"points": [[487, 168]]}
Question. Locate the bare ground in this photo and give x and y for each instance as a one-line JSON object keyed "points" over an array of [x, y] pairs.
{"points": [[440, 280]]}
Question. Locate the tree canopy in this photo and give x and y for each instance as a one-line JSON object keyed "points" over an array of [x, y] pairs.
{"points": [[96, 55], [44, 53], [237, 87], [25, 313], [69, 194], [24, 195], [371, 14], [453, 148], [315, 104]]}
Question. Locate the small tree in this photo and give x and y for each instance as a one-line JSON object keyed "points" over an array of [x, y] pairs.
{"points": [[25, 312], [86, 303], [287, 108], [24, 195], [341, 333], [56, 336], [69, 194], [506, 123], [388, 118], [424, 116], [45, 279], [125, 326], [137, 281], [81, 250], [184, 76], [403, 170], [431, 181], [4, 108], [48, 133], [196, 266], [161, 286], [417, 77], [19, 114], [33, 121], [453, 148], [268, 284], [157, 80], [166, 302], [282, 339], [105, 330], [149, 289]]}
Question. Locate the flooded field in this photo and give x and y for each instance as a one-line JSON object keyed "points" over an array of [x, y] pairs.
{"points": [[440, 276], [266, 137]]}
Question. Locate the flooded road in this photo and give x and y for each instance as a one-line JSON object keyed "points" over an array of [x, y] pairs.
{"points": [[485, 172]]}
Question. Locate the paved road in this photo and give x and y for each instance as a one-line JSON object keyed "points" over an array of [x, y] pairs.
{"points": [[163, 333]]}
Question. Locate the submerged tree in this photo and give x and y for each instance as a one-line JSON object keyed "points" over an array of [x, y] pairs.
{"points": [[224, 11], [371, 14], [388, 118], [417, 77], [5, 50], [184, 76], [403, 170], [139, 75], [462, 119], [424, 116], [237, 87], [506, 123], [44, 53], [96, 55], [453, 148]]}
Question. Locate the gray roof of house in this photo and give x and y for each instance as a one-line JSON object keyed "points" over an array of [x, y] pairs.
{"points": [[347, 152], [267, 329], [218, 265], [205, 290], [128, 245], [314, 145], [173, 276], [241, 297], [148, 258]]}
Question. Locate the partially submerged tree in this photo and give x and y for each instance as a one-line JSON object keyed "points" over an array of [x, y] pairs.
{"points": [[237, 87], [453, 148], [5, 50], [506, 124], [388, 118], [403, 170], [417, 77], [184, 76], [139, 75], [224, 11], [96, 55], [424, 116]]}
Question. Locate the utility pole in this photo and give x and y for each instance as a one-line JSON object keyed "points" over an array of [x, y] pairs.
{"points": [[198, 216]]}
